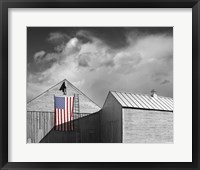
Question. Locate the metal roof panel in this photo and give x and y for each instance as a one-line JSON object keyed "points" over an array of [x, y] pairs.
{"points": [[119, 99], [134, 104], [167, 106], [124, 98], [128, 101]]}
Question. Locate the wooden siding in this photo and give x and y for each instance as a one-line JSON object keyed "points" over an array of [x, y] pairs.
{"points": [[39, 124], [147, 126], [111, 121]]}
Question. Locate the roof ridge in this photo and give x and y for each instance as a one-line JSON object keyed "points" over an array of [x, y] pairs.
{"points": [[45, 91], [139, 94]]}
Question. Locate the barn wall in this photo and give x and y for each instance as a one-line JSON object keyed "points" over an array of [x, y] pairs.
{"points": [[147, 126], [39, 124], [87, 130], [55, 136], [111, 121], [90, 128]]}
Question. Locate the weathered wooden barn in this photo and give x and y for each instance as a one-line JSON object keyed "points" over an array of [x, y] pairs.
{"points": [[133, 118], [124, 118], [40, 111]]}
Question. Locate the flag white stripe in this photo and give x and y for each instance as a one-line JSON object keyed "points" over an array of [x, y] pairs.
{"points": [[69, 117], [63, 120], [72, 112], [57, 119], [65, 114]]}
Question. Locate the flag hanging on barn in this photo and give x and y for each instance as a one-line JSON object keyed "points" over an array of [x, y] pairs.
{"points": [[64, 116]]}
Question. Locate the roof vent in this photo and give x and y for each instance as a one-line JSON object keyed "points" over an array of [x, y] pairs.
{"points": [[153, 93]]}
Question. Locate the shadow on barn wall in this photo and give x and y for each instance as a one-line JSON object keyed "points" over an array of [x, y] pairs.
{"points": [[86, 130]]}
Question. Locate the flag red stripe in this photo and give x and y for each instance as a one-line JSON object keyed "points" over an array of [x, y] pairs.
{"points": [[54, 117], [67, 115], [59, 119], [64, 118], [72, 115], [70, 112]]}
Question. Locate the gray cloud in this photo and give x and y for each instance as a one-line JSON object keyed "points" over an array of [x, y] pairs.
{"points": [[43, 57], [126, 62], [58, 37], [165, 82], [59, 48], [83, 60], [108, 63], [159, 76], [38, 56], [63, 51]]}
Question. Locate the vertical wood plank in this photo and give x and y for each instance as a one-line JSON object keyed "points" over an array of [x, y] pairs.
{"points": [[32, 127], [36, 126], [28, 122]]}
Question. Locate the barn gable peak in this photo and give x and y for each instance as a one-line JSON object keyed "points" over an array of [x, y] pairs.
{"points": [[45, 101]]}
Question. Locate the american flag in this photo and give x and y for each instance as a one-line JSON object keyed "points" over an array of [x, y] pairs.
{"points": [[64, 115]]}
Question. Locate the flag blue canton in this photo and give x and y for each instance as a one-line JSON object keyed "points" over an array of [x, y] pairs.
{"points": [[60, 102]]}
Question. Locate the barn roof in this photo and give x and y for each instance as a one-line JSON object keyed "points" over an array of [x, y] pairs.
{"points": [[143, 101], [45, 101]]}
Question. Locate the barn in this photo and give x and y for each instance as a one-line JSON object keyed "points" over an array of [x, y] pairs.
{"points": [[40, 112], [137, 118]]}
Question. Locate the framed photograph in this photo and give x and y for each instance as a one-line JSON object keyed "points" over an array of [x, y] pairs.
{"points": [[104, 84]]}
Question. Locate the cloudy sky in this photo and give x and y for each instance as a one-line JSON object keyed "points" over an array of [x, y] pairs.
{"points": [[99, 59]]}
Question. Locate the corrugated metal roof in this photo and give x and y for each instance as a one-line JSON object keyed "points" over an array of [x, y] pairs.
{"points": [[144, 101]]}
